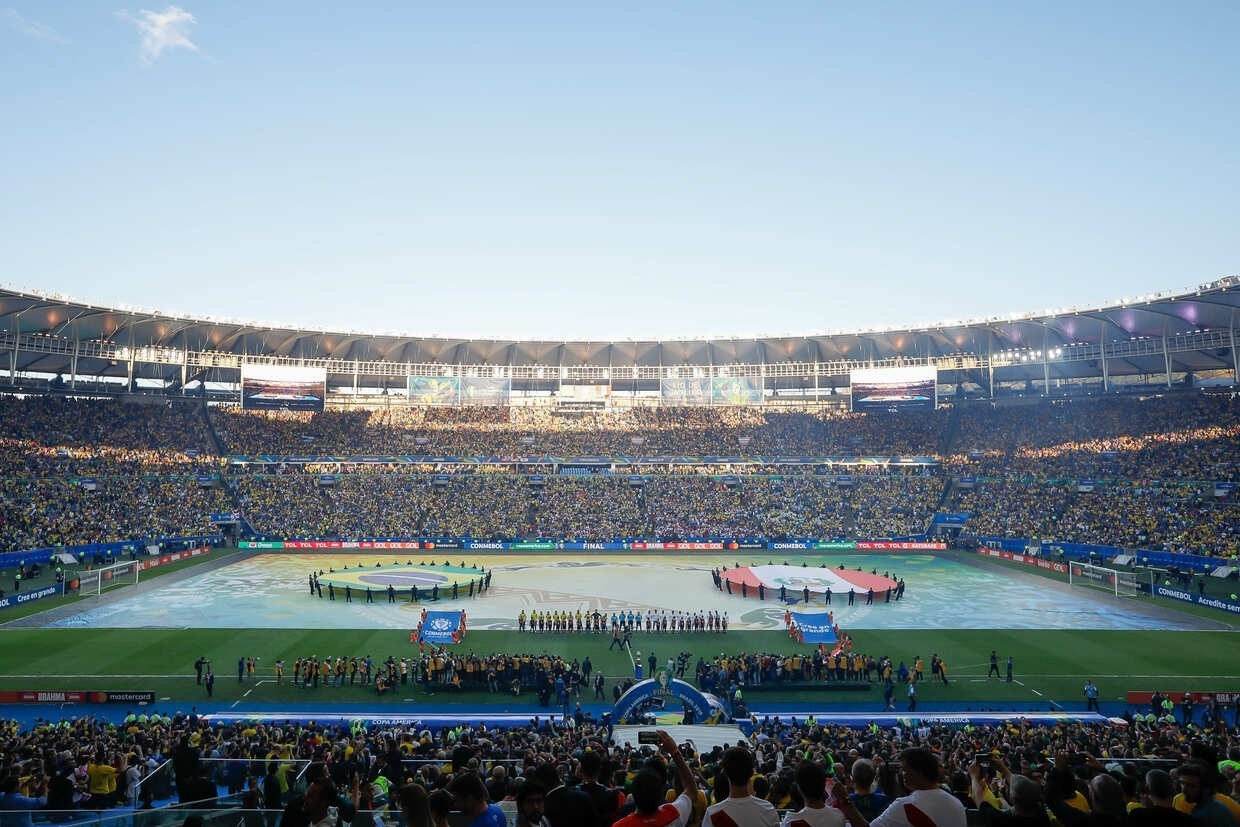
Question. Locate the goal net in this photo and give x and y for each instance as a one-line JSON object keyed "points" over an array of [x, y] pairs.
{"points": [[1118, 582], [98, 581]]}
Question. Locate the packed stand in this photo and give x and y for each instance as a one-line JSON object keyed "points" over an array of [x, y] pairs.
{"points": [[571, 774]]}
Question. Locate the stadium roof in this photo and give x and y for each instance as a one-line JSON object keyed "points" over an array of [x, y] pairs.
{"points": [[1192, 330]]}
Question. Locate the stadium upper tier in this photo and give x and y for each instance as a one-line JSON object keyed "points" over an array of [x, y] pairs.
{"points": [[1161, 337]]}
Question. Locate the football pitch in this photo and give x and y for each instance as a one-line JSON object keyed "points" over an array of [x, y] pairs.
{"points": [[146, 638]]}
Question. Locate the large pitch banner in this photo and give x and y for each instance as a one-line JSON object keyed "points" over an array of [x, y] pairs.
{"points": [[278, 387], [893, 389], [435, 390]]}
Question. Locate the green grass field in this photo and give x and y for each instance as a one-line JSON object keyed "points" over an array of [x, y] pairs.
{"points": [[1050, 665]]}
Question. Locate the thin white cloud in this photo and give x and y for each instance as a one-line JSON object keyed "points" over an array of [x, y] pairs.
{"points": [[31, 28], [161, 30]]}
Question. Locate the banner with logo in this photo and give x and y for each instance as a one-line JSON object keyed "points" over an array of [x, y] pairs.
{"points": [[21, 598], [64, 696], [442, 627], [1201, 600], [890, 545], [951, 520], [643, 545]]}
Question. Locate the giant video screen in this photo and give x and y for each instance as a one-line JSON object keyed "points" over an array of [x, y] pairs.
{"points": [[894, 389], [280, 388]]}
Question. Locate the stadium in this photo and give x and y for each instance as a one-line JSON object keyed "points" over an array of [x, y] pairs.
{"points": [[647, 440], [347, 533]]}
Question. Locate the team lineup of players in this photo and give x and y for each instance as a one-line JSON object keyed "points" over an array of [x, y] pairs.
{"points": [[624, 622]]}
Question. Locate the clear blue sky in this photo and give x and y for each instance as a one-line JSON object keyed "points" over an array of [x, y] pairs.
{"points": [[619, 170]]}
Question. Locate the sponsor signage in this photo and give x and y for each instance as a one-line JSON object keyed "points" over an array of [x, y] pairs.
{"points": [[951, 520], [899, 545], [26, 597], [1201, 600], [1049, 565], [226, 517], [583, 546], [434, 544], [394, 544], [276, 544], [642, 545], [165, 559], [66, 696]]}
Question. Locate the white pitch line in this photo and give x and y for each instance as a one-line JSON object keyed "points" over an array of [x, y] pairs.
{"points": [[1036, 692]]}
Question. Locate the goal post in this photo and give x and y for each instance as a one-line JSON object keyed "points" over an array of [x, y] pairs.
{"points": [[1119, 582], [97, 581]]}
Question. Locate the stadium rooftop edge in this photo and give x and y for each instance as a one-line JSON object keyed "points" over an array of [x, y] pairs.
{"points": [[1191, 332]]}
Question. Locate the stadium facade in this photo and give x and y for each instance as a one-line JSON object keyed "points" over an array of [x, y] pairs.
{"points": [[1162, 340]]}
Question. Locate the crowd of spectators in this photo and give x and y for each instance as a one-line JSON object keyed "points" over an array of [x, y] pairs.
{"points": [[593, 507], [1171, 439], [57, 511], [80, 471], [516, 431], [1017, 772], [1175, 518]]}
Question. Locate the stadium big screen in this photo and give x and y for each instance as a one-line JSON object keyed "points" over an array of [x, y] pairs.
{"points": [[894, 389], [276, 387]]}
